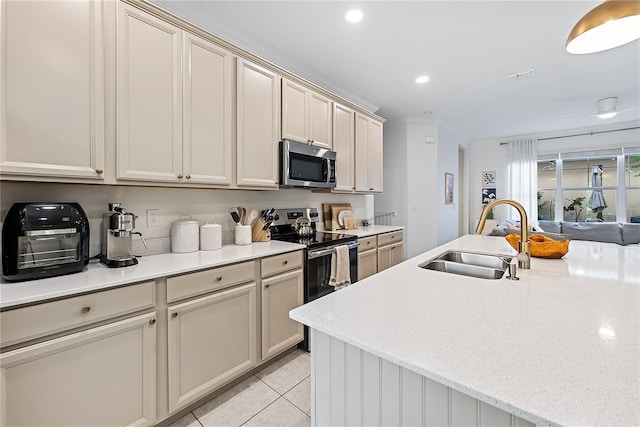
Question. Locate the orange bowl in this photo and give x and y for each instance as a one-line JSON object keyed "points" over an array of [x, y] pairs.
{"points": [[541, 246]]}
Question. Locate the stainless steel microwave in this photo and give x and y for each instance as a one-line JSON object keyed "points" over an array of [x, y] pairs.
{"points": [[306, 166]]}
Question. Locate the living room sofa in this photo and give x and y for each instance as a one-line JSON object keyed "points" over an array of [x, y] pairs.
{"points": [[610, 232]]}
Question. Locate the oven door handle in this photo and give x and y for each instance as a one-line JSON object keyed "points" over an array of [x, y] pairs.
{"points": [[329, 251]]}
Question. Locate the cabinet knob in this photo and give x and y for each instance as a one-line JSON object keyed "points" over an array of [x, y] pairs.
{"points": [[85, 310], [179, 176], [285, 262], [174, 315], [99, 171], [368, 243], [266, 286], [152, 321], [188, 176], [219, 278]]}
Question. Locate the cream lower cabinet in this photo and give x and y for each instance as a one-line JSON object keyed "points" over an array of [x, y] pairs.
{"points": [[281, 292], [390, 249], [52, 90], [367, 257], [258, 126], [104, 376], [212, 340]]}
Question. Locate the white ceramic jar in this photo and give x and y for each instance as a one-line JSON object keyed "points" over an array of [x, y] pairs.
{"points": [[185, 235], [210, 237]]}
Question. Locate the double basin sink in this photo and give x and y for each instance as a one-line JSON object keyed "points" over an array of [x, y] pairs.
{"points": [[471, 264]]}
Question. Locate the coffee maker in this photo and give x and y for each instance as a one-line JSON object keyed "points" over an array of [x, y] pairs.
{"points": [[117, 231]]}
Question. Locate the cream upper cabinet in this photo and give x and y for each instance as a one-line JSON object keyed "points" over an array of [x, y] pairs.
{"points": [[51, 90], [368, 162], [104, 376], [306, 115], [207, 111], [258, 126], [149, 98], [344, 146]]}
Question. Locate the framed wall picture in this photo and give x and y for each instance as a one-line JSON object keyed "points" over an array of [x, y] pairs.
{"points": [[488, 179], [488, 195], [448, 188]]}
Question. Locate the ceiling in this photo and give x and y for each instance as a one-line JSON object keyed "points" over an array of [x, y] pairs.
{"points": [[465, 47]]}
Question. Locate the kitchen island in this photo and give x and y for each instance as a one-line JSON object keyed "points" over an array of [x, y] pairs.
{"points": [[413, 346]]}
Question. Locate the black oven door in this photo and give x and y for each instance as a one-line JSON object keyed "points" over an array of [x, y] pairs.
{"points": [[318, 271]]}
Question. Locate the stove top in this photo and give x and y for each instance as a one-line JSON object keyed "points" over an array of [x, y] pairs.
{"points": [[318, 240], [283, 229]]}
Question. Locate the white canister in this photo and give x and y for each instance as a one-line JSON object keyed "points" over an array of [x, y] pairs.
{"points": [[185, 235], [210, 237]]}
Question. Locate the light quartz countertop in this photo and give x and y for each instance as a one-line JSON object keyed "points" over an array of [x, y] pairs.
{"points": [[97, 277], [561, 346], [371, 230]]}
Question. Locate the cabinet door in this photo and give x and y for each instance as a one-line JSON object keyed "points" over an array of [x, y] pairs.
{"points": [[320, 112], [374, 161], [52, 89], [367, 264], [258, 126], [390, 255], [149, 94], [212, 340], [281, 294], [362, 153], [294, 112], [344, 145], [208, 85], [103, 376]]}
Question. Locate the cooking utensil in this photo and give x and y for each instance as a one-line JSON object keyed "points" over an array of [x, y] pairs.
{"points": [[252, 215], [235, 216]]}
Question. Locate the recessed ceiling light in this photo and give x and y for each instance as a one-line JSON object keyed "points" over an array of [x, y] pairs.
{"points": [[354, 15], [422, 79]]}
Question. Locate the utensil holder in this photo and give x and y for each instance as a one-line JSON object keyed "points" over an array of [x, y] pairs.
{"points": [[243, 234], [258, 234]]}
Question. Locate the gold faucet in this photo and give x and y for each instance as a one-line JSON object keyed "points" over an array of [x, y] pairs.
{"points": [[524, 257]]}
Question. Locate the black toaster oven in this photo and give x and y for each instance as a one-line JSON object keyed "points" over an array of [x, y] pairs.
{"points": [[43, 240]]}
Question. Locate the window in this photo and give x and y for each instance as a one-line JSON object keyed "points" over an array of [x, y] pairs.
{"points": [[589, 189], [590, 186], [632, 184]]}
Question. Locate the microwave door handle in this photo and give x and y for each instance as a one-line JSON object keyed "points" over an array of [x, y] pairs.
{"points": [[327, 166]]}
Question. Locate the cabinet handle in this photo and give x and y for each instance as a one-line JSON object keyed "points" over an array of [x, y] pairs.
{"points": [[371, 189], [188, 176], [266, 286], [285, 262], [152, 321], [85, 310], [218, 279], [179, 176], [174, 315], [99, 171]]}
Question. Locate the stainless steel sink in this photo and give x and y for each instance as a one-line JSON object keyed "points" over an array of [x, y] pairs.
{"points": [[472, 264]]}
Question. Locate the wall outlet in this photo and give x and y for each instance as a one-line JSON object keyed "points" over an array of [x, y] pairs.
{"points": [[153, 217]]}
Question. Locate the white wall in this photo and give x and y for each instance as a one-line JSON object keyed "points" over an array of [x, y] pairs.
{"points": [[201, 204], [414, 181]]}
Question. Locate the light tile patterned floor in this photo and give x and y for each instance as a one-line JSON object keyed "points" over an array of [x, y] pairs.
{"points": [[278, 395]]}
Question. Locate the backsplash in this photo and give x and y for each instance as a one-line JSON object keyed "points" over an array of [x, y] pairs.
{"points": [[201, 204]]}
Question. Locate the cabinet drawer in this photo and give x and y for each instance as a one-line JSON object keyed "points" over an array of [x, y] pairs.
{"points": [[43, 319], [366, 243], [209, 280], [279, 263], [388, 238]]}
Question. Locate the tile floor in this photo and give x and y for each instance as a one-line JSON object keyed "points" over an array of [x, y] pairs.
{"points": [[278, 395]]}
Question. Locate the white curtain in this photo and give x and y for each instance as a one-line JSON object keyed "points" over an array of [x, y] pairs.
{"points": [[523, 176]]}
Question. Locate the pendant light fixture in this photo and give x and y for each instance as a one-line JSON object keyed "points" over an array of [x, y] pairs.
{"points": [[609, 25]]}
